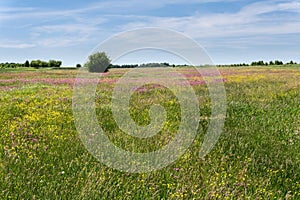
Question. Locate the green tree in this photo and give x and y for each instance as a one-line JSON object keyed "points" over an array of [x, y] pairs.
{"points": [[43, 64], [98, 62], [34, 63], [254, 64], [54, 63], [26, 64], [278, 62], [58, 63]]}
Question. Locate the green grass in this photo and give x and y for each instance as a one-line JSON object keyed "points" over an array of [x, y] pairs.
{"points": [[18, 69], [256, 157]]}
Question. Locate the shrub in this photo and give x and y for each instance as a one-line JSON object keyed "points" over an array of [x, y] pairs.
{"points": [[98, 62]]}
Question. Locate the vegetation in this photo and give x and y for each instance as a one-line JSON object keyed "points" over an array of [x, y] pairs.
{"points": [[257, 156], [125, 66], [34, 63], [12, 65], [26, 64], [98, 62], [262, 63], [255, 63]]}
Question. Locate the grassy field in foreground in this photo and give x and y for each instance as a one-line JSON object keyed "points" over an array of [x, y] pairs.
{"points": [[256, 157]]}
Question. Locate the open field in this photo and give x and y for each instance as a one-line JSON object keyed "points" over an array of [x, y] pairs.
{"points": [[256, 157]]}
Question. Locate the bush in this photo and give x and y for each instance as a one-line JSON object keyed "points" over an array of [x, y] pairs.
{"points": [[98, 62]]}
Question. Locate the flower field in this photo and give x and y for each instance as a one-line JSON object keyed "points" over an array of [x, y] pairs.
{"points": [[256, 157]]}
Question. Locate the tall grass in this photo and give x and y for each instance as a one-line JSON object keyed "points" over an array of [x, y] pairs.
{"points": [[257, 156]]}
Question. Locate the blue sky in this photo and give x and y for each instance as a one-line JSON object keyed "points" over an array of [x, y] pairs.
{"points": [[231, 31]]}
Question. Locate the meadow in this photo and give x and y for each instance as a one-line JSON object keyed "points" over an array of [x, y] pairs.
{"points": [[256, 157]]}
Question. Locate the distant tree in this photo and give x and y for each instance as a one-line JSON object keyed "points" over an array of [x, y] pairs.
{"points": [[116, 66], [54, 63], [43, 64], [34, 63], [253, 63], [51, 63], [277, 62], [98, 62], [38, 64], [260, 63], [26, 64], [155, 65], [78, 66], [125, 66], [58, 63]]}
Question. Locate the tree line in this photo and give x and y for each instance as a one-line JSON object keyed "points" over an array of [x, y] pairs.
{"points": [[165, 64], [262, 63], [255, 63], [100, 62], [34, 63]]}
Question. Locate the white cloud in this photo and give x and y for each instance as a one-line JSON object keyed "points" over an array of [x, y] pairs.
{"points": [[12, 13], [16, 9], [61, 41], [253, 19], [75, 26], [79, 31], [15, 45], [294, 5], [131, 5]]}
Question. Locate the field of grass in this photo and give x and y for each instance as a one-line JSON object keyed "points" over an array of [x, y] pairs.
{"points": [[256, 157]]}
